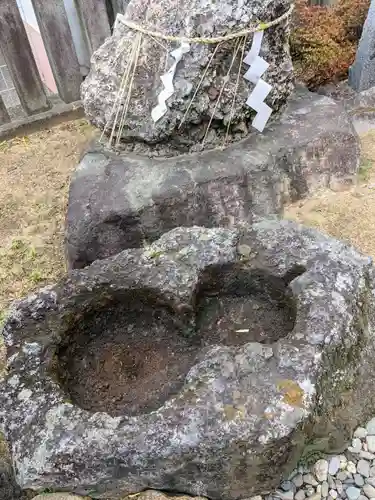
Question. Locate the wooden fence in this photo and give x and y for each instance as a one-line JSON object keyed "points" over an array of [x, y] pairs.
{"points": [[96, 17], [56, 34]]}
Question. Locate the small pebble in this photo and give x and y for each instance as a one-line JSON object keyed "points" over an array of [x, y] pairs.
{"points": [[358, 480], [298, 480], [293, 474], [316, 496], [351, 468], [349, 480], [372, 471], [370, 427], [363, 468], [334, 466], [364, 446], [284, 495], [310, 479], [342, 475], [333, 494], [339, 487], [356, 446], [331, 482], [310, 490], [353, 493], [287, 486], [362, 497], [370, 441], [321, 470], [325, 489], [300, 495], [369, 491], [343, 462], [366, 455], [360, 433], [302, 470], [371, 480]]}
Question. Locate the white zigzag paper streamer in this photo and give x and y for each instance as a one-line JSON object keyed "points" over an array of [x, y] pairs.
{"points": [[258, 66], [167, 79]]}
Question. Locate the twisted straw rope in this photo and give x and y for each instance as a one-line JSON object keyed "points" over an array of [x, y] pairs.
{"points": [[251, 29]]}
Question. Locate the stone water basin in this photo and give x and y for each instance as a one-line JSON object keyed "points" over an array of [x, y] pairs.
{"points": [[203, 364]]}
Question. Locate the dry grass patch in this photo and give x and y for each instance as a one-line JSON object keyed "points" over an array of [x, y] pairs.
{"points": [[34, 179], [349, 215]]}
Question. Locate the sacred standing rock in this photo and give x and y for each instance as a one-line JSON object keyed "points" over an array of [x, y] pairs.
{"points": [[193, 365], [101, 92], [362, 72], [123, 201]]}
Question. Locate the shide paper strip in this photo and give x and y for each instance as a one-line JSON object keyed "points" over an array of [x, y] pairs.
{"points": [[258, 66], [167, 79], [256, 101]]}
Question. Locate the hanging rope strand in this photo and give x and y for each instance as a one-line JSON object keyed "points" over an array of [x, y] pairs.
{"points": [[205, 40]]}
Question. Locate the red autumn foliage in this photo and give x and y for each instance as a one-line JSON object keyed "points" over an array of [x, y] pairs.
{"points": [[324, 39]]}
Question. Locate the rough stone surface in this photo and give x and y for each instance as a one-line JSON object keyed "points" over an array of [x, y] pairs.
{"points": [[119, 202], [359, 105], [158, 495], [9, 490], [244, 410], [59, 496], [188, 18], [362, 72]]}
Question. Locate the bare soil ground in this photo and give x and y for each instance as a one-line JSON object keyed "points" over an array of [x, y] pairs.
{"points": [[34, 180], [348, 215]]}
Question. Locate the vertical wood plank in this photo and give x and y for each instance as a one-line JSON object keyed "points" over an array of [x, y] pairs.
{"points": [[54, 28], [95, 19], [19, 59], [4, 115]]}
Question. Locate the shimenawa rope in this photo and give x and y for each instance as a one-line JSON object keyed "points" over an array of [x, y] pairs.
{"points": [[142, 30], [231, 36]]}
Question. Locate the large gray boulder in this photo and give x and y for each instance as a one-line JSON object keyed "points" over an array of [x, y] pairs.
{"points": [[201, 364], [123, 201], [362, 72], [9, 489], [190, 18]]}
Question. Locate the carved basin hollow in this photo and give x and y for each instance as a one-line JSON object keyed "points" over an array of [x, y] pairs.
{"points": [[232, 335], [134, 354]]}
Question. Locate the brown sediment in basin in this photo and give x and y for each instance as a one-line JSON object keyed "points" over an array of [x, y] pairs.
{"points": [[131, 356]]}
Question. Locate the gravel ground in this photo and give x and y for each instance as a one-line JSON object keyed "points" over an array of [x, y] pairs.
{"points": [[349, 476]]}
